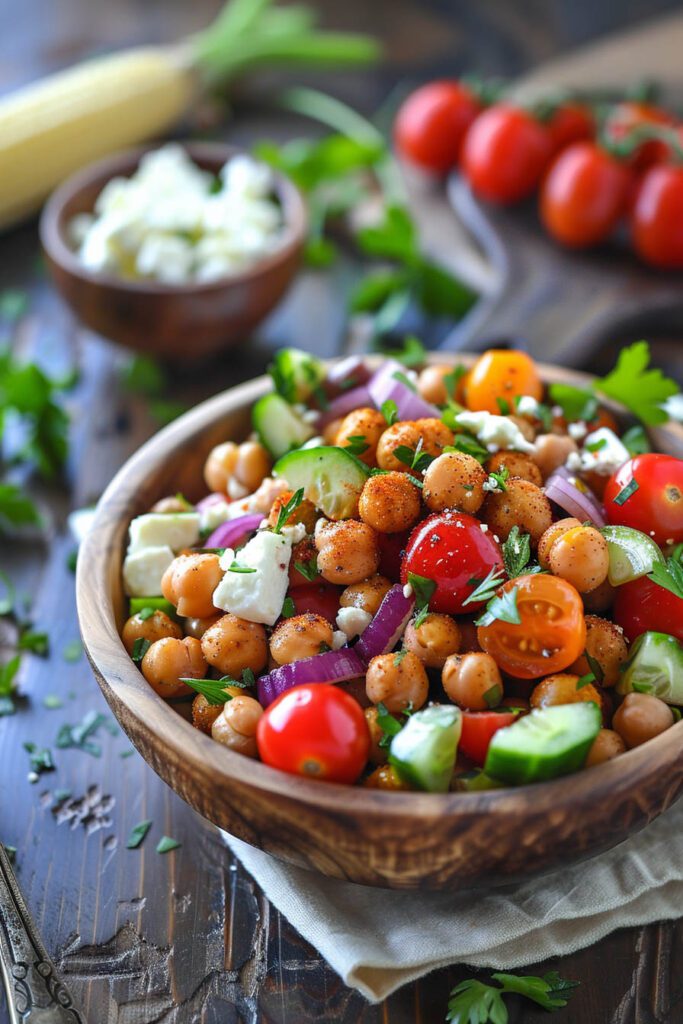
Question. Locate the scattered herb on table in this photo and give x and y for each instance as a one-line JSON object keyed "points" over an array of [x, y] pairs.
{"points": [[475, 1002], [40, 760], [73, 651], [166, 844], [8, 673], [137, 835], [82, 736], [52, 702]]}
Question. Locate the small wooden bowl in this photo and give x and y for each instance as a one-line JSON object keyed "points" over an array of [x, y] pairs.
{"points": [[179, 322], [398, 840]]}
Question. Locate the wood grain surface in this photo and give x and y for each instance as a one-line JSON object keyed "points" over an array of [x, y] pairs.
{"points": [[186, 938]]}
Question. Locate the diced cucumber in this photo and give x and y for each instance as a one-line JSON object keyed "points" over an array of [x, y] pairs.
{"points": [[278, 426], [331, 477], [296, 374], [655, 666], [545, 744], [631, 554], [423, 752]]}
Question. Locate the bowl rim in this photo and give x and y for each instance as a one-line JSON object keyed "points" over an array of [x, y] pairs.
{"points": [[124, 163], [104, 646]]}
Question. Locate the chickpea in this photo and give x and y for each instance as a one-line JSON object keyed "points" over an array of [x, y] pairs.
{"points": [[405, 433], [305, 513], [386, 777], [523, 504], [561, 688], [204, 714], [331, 430], [300, 637], [305, 553], [606, 745], [435, 435], [367, 595], [454, 480], [189, 583], [247, 464], [154, 628], [552, 450], [378, 755], [553, 533], [169, 660], [434, 640], [253, 465], [198, 627], [367, 423], [517, 464], [389, 503], [581, 557], [605, 642], [236, 725], [348, 551], [433, 387], [469, 680], [397, 681], [233, 644], [640, 718], [173, 503], [600, 599]]}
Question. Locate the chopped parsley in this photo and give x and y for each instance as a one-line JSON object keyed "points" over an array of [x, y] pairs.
{"points": [[82, 736], [596, 446], [503, 405], [585, 680], [636, 441], [137, 835], [8, 673], [288, 608], [248, 678], [497, 480], [485, 589], [140, 647], [516, 552], [423, 588], [403, 378], [166, 844], [212, 689], [469, 445], [669, 575], [356, 444], [595, 667], [146, 613], [412, 352], [474, 1002], [626, 491], [236, 567], [452, 379], [502, 607], [493, 696], [413, 458], [309, 569], [40, 758], [399, 656], [73, 651], [389, 725], [287, 509], [389, 410]]}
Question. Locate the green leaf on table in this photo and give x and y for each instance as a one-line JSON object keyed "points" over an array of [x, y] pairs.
{"points": [[439, 293], [375, 289], [13, 304], [166, 844], [40, 758], [36, 643], [9, 600], [73, 651], [8, 673], [475, 1002], [144, 376], [394, 238], [52, 702], [137, 834], [16, 509], [81, 736]]}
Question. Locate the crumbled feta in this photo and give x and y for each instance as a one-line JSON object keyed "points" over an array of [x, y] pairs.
{"points": [[577, 430], [294, 533], [527, 405], [313, 442], [236, 490], [407, 591], [352, 621], [261, 500], [495, 432], [143, 570], [212, 516], [492, 485], [176, 530], [338, 639], [256, 596], [673, 407], [602, 453]]}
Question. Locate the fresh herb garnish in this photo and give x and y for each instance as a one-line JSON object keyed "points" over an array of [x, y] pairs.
{"points": [[412, 352], [595, 666], [248, 678], [81, 736], [166, 844], [502, 607], [626, 491], [236, 567], [585, 680], [137, 835], [287, 509], [503, 406], [486, 588], [668, 574], [309, 569], [288, 608], [423, 588], [413, 458], [596, 446], [469, 445], [493, 695], [8, 673], [576, 403], [212, 689], [641, 687], [389, 410], [356, 444], [497, 480], [146, 613], [16, 509], [474, 1002], [40, 758], [140, 647], [636, 441], [516, 552], [36, 643], [52, 702], [388, 724], [399, 656]]}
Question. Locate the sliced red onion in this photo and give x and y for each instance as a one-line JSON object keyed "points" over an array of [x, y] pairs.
{"points": [[211, 499], [330, 667], [353, 368], [233, 532], [583, 505], [357, 398], [384, 386], [382, 634]]}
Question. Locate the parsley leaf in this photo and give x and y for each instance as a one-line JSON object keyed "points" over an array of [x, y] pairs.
{"points": [[236, 567], [309, 569], [502, 607], [15, 508], [576, 403], [475, 1002], [356, 444], [166, 844], [585, 680], [389, 410], [288, 608], [412, 352], [596, 668], [212, 689], [138, 834], [497, 480], [485, 589], [414, 458], [452, 379], [389, 725], [636, 441], [40, 759], [287, 509], [140, 647], [635, 385], [516, 552], [423, 588], [668, 574], [469, 446]]}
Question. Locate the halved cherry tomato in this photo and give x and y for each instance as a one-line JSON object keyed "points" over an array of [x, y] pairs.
{"points": [[318, 598], [572, 122], [657, 217], [501, 374], [625, 117], [315, 730], [504, 154], [551, 633], [451, 549], [431, 124], [478, 728], [655, 506], [643, 605]]}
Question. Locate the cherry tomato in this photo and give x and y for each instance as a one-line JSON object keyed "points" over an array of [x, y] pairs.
{"points": [[319, 598], [642, 605], [451, 549], [505, 153], [478, 728], [431, 124], [315, 730], [656, 506], [501, 374], [584, 194], [551, 634], [572, 122], [657, 217], [627, 116]]}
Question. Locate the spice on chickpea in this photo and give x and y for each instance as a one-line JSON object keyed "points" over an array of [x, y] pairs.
{"points": [[347, 551], [398, 681], [389, 503]]}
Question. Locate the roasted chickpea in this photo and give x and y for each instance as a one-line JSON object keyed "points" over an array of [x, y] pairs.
{"points": [[305, 513], [551, 451], [366, 423], [640, 718], [367, 595], [189, 583], [606, 745], [470, 680], [433, 386], [386, 777], [236, 725], [517, 464], [253, 465], [397, 681], [172, 504], [389, 503], [405, 433], [204, 714], [300, 637], [154, 628], [304, 553], [348, 551], [562, 688], [581, 557], [523, 504], [434, 640], [435, 435], [600, 599], [233, 644], [378, 754], [198, 627], [605, 642], [553, 533], [247, 464], [168, 661], [454, 480]]}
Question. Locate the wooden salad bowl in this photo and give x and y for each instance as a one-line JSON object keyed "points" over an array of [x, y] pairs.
{"points": [[397, 840]]}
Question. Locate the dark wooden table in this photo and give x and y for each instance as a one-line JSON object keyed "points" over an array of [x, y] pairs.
{"points": [[187, 937]]}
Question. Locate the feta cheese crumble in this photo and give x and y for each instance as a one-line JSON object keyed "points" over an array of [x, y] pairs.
{"points": [[527, 405], [673, 407], [352, 621], [602, 452], [256, 596], [496, 433], [153, 541], [577, 430]]}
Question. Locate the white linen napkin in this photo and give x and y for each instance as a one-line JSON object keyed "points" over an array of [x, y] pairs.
{"points": [[378, 940]]}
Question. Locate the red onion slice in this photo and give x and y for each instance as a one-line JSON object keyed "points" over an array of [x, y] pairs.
{"points": [[383, 386], [232, 532], [576, 502], [330, 667], [215, 498], [357, 398], [353, 368], [382, 634]]}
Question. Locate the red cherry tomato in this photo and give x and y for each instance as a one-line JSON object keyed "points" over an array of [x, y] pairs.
{"points": [[625, 118], [656, 506], [451, 549], [642, 605], [392, 548], [478, 728], [319, 598], [583, 195], [431, 124], [316, 730], [657, 217], [505, 153], [571, 122]]}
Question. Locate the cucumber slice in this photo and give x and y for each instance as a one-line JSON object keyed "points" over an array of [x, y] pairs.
{"points": [[296, 374], [278, 426], [331, 477], [655, 666], [423, 752], [631, 554], [545, 744]]}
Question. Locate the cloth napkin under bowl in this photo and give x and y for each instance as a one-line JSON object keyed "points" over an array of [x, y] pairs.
{"points": [[378, 940]]}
